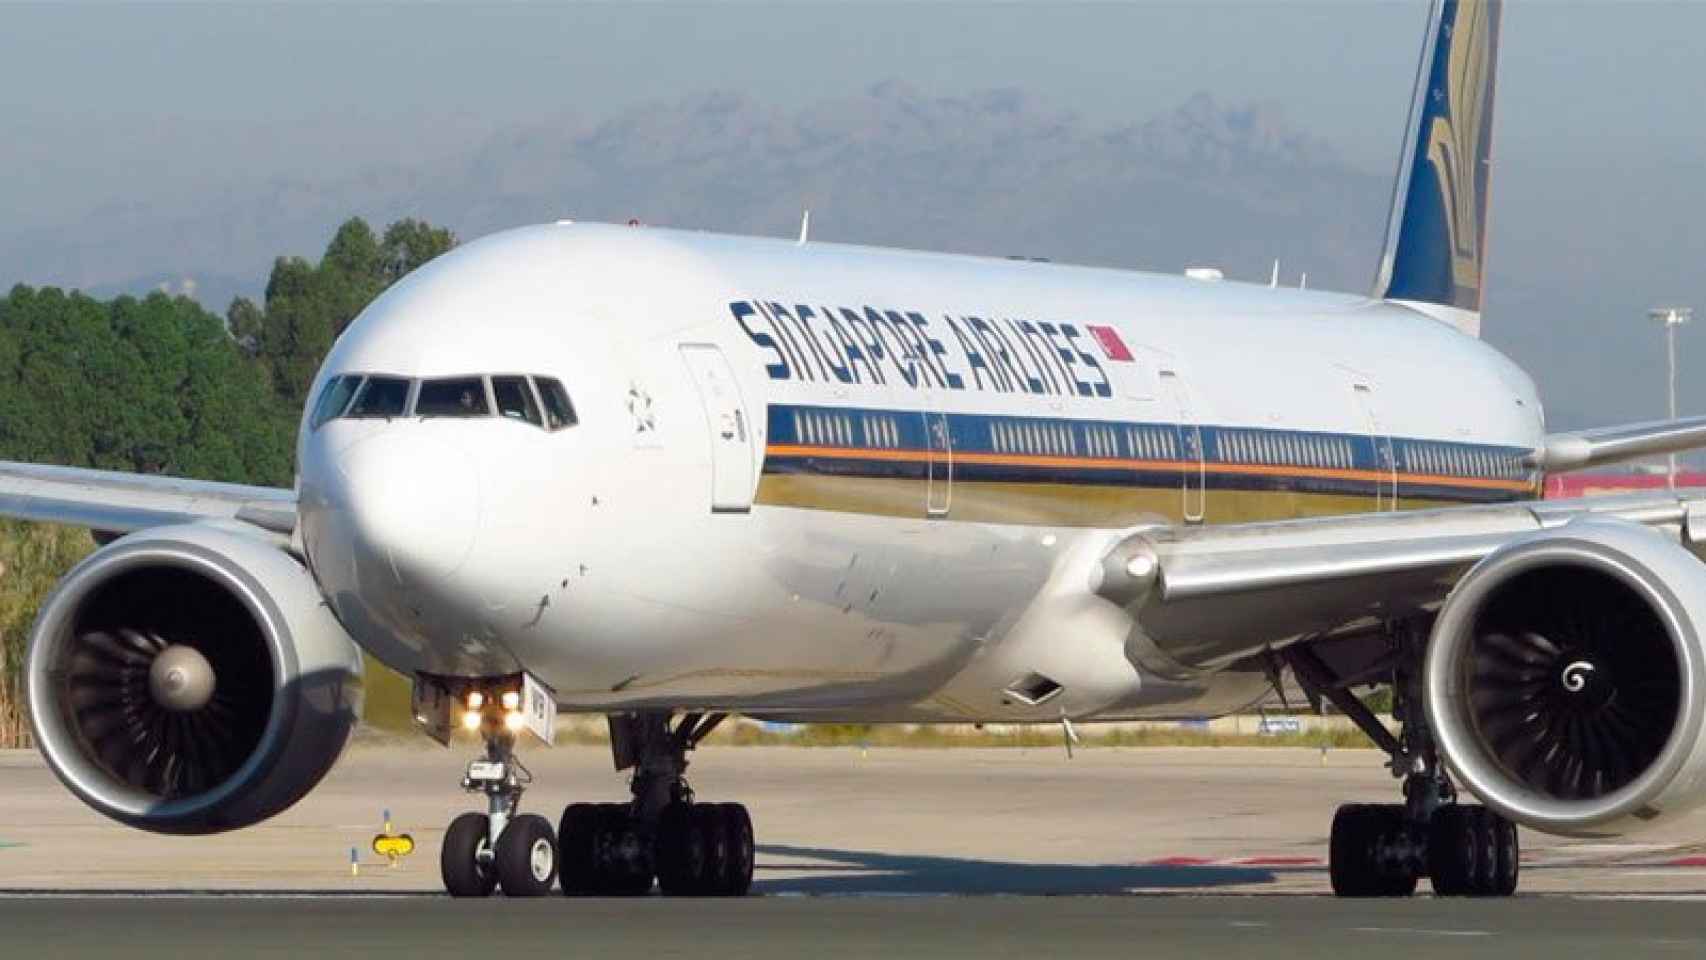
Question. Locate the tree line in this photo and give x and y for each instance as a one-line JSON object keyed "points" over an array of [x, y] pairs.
{"points": [[158, 384]]}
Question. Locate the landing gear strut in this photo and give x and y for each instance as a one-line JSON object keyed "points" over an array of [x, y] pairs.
{"points": [[690, 848], [1381, 850]]}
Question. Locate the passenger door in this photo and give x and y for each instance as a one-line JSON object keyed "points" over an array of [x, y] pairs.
{"points": [[1192, 470], [729, 427], [1385, 463], [939, 475]]}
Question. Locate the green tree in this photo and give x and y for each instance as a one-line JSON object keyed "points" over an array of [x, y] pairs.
{"points": [[308, 305], [410, 244]]}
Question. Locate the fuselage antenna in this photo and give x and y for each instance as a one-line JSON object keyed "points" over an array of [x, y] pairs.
{"points": [[805, 225]]}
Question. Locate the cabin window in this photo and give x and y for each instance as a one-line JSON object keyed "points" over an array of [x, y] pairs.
{"points": [[334, 397], [385, 397]]}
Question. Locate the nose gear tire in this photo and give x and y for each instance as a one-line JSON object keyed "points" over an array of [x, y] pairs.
{"points": [[459, 858], [526, 857]]}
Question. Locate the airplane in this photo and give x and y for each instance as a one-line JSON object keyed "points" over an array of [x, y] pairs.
{"points": [[668, 476]]}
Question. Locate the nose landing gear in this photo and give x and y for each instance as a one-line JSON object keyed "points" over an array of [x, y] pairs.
{"points": [[522, 860]]}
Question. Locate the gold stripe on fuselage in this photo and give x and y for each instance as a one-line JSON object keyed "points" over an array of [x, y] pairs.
{"points": [[1059, 504]]}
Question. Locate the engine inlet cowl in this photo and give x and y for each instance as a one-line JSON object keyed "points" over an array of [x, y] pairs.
{"points": [[1564, 679], [189, 679]]}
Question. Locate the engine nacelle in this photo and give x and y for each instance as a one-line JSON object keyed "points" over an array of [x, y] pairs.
{"points": [[189, 679], [1566, 679]]}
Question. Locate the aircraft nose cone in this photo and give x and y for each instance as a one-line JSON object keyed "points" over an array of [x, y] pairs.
{"points": [[413, 502]]}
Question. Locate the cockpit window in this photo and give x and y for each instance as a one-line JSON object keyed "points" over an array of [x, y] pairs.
{"points": [[452, 397], [381, 397], [515, 399], [334, 397], [559, 412]]}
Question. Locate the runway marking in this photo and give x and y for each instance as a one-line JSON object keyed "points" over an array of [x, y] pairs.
{"points": [[1249, 924], [1423, 931], [1642, 897], [1265, 861], [1586, 857]]}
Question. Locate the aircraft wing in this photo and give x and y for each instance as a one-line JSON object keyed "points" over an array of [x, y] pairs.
{"points": [[1592, 448], [1205, 597], [115, 502]]}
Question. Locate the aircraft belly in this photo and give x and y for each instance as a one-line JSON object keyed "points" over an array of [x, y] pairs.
{"points": [[797, 608]]}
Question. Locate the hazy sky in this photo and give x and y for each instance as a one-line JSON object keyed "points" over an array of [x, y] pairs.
{"points": [[102, 101], [1598, 209]]}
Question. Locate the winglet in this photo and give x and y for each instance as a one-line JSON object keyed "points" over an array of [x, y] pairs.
{"points": [[1436, 231]]}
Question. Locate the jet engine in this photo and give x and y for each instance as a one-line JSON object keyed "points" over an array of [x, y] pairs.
{"points": [[189, 679], [1566, 680]]}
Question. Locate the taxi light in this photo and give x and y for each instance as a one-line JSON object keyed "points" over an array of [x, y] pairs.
{"points": [[476, 699], [471, 721], [514, 720], [512, 700]]}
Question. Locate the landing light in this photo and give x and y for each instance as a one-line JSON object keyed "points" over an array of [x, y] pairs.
{"points": [[476, 699], [511, 699], [471, 720], [514, 720]]}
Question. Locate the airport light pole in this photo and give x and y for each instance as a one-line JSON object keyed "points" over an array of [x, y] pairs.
{"points": [[1671, 317]]}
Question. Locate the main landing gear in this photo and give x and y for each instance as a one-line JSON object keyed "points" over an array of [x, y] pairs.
{"points": [[602, 849], [1382, 850]]}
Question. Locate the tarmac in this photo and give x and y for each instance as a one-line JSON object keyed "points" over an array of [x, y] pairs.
{"points": [[917, 852]]}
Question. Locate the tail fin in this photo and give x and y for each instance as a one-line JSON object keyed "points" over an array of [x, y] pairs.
{"points": [[1436, 232]]}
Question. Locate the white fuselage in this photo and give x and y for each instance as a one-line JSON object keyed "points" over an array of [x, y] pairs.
{"points": [[750, 515]]}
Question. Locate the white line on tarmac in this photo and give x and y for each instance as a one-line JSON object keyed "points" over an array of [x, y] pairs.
{"points": [[1423, 931], [1644, 897]]}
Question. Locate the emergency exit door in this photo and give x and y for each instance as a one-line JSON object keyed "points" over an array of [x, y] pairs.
{"points": [[728, 424]]}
